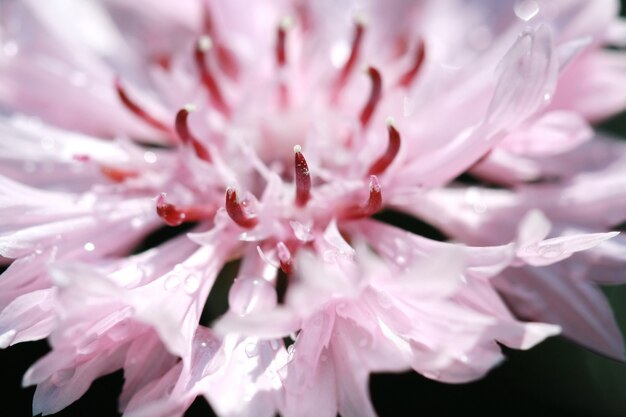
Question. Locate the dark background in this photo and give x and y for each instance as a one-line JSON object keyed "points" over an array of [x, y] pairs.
{"points": [[557, 378]]}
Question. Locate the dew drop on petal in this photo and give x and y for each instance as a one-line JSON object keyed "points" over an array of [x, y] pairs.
{"points": [[291, 350], [63, 376], [301, 231], [89, 247], [526, 9], [150, 157], [191, 284], [172, 282], [252, 350], [251, 295]]}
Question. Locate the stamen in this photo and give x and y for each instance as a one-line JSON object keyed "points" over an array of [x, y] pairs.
{"points": [[281, 39], [284, 257], [236, 210], [185, 135], [208, 80], [117, 174], [407, 78], [225, 57], [168, 212], [348, 67], [175, 216], [137, 110], [393, 147], [303, 178], [374, 98], [374, 203]]}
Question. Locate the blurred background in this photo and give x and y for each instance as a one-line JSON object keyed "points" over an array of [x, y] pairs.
{"points": [[556, 378]]}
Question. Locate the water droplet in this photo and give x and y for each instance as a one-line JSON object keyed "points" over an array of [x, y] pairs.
{"points": [[301, 231], [7, 338], [150, 157], [89, 247], [526, 9], [252, 350], [291, 350], [551, 251], [191, 284], [63, 376], [172, 282], [400, 260], [464, 359], [248, 295]]}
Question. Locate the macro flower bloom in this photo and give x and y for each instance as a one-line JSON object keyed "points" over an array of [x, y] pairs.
{"points": [[277, 130]]}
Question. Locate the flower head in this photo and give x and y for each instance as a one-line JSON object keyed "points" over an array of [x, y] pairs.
{"points": [[260, 131]]}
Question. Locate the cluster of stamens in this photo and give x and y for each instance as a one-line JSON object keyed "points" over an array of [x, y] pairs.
{"points": [[236, 207]]}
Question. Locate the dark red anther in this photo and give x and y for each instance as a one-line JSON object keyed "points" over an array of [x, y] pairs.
{"points": [[206, 76], [171, 215], [407, 78], [236, 210], [118, 174], [281, 41], [284, 257], [374, 203], [374, 98], [175, 216], [303, 178], [137, 110], [393, 147], [348, 67], [185, 135]]}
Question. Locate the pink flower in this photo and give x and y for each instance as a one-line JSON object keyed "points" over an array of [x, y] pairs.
{"points": [[284, 156]]}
